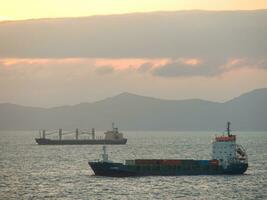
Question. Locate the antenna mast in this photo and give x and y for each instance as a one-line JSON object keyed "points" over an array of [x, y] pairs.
{"points": [[228, 129]]}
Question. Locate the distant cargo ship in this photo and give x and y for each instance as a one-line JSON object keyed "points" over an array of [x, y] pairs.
{"points": [[227, 158], [113, 137]]}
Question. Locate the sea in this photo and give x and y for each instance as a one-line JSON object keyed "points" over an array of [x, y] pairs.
{"points": [[31, 171]]}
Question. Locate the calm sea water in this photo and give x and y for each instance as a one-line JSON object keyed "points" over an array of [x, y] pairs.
{"points": [[29, 171]]}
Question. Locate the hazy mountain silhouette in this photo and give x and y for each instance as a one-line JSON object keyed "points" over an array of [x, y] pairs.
{"points": [[134, 112]]}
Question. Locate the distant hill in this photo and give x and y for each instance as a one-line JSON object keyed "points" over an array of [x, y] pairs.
{"points": [[247, 112]]}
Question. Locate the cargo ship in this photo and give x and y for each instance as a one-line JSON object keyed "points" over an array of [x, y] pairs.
{"points": [[113, 137], [227, 158]]}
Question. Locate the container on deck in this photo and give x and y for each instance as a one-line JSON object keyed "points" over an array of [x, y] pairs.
{"points": [[203, 162], [171, 162], [214, 162], [189, 162], [148, 162]]}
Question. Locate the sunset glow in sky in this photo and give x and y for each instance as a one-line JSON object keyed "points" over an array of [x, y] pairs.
{"points": [[175, 54], [30, 9]]}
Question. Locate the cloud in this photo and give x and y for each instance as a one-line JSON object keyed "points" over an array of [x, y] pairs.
{"points": [[104, 70], [187, 67], [195, 67], [162, 67], [116, 64], [53, 82], [208, 34], [237, 63], [145, 67]]}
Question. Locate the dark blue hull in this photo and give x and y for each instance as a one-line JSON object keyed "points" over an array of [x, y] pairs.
{"points": [[122, 170]]}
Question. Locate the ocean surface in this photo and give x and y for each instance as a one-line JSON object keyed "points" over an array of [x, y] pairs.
{"points": [[30, 171]]}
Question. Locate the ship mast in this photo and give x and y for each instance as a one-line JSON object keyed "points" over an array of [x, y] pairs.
{"points": [[104, 155], [113, 126], [228, 129]]}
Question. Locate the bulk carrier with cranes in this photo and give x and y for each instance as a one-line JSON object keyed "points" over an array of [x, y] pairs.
{"points": [[113, 137], [227, 158]]}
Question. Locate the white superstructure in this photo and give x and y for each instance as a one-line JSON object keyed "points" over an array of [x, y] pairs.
{"points": [[225, 149], [114, 134]]}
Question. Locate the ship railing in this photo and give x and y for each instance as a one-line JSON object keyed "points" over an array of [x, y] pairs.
{"points": [[85, 133], [51, 132], [69, 132], [225, 138], [241, 153], [44, 133]]}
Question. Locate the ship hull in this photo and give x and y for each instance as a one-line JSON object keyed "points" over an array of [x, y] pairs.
{"points": [[42, 141], [122, 170]]}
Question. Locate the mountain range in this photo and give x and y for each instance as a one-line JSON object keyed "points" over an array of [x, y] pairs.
{"points": [[247, 112]]}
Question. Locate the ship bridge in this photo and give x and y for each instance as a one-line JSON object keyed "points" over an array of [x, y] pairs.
{"points": [[225, 149]]}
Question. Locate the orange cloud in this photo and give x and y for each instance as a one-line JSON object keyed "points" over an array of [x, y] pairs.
{"points": [[122, 64], [116, 64], [28, 61], [172, 68], [191, 61]]}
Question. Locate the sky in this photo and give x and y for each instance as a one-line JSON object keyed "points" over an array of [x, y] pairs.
{"points": [[216, 52], [31, 9]]}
